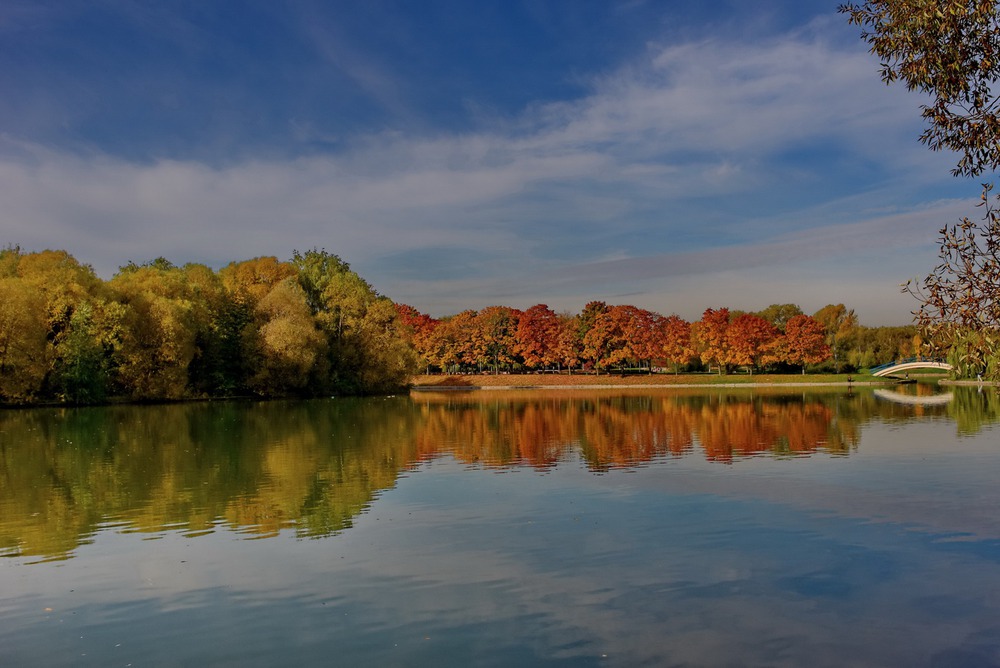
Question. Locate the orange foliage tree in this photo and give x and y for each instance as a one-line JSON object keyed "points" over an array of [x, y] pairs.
{"points": [[493, 337], [601, 340], [674, 341], [804, 342], [751, 340], [418, 330], [712, 340], [537, 337], [638, 330], [568, 345], [453, 340]]}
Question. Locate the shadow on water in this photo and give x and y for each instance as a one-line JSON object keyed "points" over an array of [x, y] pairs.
{"points": [[311, 467]]}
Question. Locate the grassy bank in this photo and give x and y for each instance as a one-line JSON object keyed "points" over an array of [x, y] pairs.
{"points": [[656, 380]]}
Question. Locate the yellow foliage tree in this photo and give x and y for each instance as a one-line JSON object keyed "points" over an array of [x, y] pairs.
{"points": [[290, 342], [24, 348], [160, 323]]}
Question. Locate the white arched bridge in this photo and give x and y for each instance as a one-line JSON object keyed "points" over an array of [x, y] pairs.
{"points": [[893, 368]]}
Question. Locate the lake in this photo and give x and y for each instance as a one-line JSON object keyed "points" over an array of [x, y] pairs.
{"points": [[777, 527]]}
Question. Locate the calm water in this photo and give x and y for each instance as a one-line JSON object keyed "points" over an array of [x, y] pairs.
{"points": [[669, 528]]}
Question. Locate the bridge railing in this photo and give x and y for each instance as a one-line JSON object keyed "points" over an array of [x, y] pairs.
{"points": [[882, 367]]}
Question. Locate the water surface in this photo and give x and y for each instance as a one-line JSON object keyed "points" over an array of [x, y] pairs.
{"points": [[751, 527]]}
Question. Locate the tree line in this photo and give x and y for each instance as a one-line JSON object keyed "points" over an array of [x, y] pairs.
{"points": [[605, 338], [311, 326]]}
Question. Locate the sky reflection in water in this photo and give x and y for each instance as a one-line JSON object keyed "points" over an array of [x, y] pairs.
{"points": [[646, 529]]}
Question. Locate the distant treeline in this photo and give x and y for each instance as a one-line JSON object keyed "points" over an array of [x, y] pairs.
{"points": [[311, 326], [605, 338]]}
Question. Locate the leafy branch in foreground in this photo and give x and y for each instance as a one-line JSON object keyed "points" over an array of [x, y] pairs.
{"points": [[951, 51], [960, 300]]}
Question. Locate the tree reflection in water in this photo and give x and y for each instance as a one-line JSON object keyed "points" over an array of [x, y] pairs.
{"points": [[311, 467]]}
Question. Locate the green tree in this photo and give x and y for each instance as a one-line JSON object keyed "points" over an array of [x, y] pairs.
{"points": [[240, 323], [219, 366], [840, 325], [83, 371], [366, 351], [779, 314]]}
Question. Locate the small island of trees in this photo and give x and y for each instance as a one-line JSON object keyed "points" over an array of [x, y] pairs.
{"points": [[260, 327]]}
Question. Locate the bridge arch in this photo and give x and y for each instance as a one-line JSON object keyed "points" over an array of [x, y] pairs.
{"points": [[907, 365]]}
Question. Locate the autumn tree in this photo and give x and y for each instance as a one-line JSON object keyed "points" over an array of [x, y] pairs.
{"points": [[385, 361], [452, 343], [290, 341], [249, 281], [804, 342], [24, 348], [493, 337], [537, 337], [603, 339], [417, 329], [638, 330], [674, 340], [750, 339], [568, 344], [621, 335], [158, 331], [712, 340], [66, 285]]}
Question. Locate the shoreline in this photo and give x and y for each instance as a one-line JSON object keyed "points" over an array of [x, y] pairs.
{"points": [[644, 386], [490, 383]]}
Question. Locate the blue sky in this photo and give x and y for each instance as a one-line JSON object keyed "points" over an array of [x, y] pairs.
{"points": [[675, 155]]}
